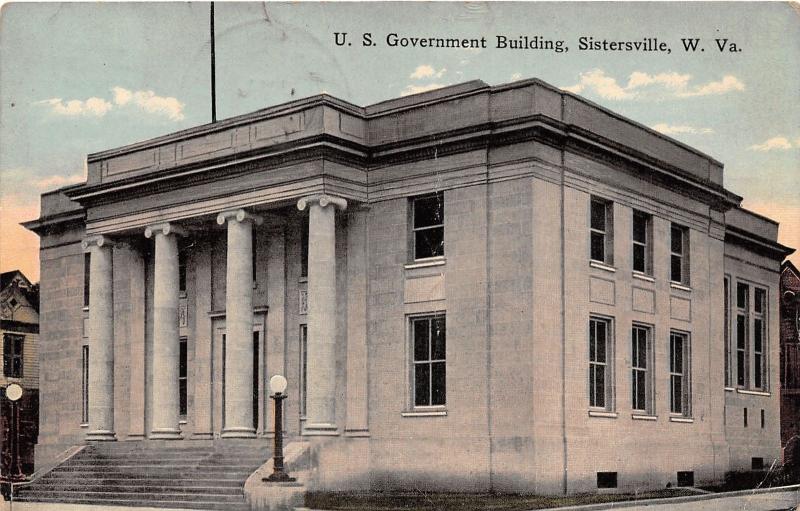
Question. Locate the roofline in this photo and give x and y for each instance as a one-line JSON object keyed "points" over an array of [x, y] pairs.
{"points": [[787, 264], [420, 100], [758, 215]]}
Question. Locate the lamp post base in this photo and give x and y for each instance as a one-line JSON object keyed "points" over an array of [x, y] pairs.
{"points": [[279, 476]]}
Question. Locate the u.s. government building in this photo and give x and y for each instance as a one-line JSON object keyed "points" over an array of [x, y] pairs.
{"points": [[477, 288]]}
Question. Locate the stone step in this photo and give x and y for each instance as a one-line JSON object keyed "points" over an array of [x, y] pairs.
{"points": [[102, 496], [107, 474], [204, 504], [141, 481], [158, 467], [126, 487]]}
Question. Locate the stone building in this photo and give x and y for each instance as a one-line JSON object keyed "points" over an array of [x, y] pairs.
{"points": [[790, 351], [479, 287], [19, 330]]}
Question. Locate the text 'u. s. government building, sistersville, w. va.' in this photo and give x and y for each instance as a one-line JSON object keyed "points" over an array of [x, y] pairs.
{"points": [[477, 288]]}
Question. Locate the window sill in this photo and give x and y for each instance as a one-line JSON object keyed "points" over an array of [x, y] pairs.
{"points": [[85, 425], [302, 279], [426, 263], [729, 389], [441, 412], [182, 422], [643, 276], [678, 285], [605, 415], [85, 308], [684, 420], [602, 266], [182, 294], [643, 417], [753, 392]]}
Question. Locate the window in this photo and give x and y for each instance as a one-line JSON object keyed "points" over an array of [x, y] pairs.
{"points": [[256, 355], [679, 365], [606, 479], [641, 369], [742, 329], [303, 368], [759, 338], [686, 478], [304, 248], [744, 417], [601, 229], [428, 226], [86, 277], [727, 331], [12, 355], [763, 419], [182, 377], [600, 355], [85, 384], [679, 254], [641, 243], [757, 463], [429, 378]]}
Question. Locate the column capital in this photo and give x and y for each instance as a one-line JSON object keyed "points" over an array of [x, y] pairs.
{"points": [[323, 200], [165, 228], [239, 215], [99, 240]]}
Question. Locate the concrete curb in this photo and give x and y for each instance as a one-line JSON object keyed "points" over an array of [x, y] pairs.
{"points": [[790, 491]]}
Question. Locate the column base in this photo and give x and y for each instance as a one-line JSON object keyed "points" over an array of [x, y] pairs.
{"points": [[320, 429], [166, 434], [238, 432], [101, 435]]}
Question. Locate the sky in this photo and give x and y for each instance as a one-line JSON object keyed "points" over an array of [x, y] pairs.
{"points": [[79, 78]]}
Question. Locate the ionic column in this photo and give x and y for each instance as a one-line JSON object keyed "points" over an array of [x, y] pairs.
{"points": [[321, 318], [165, 355], [239, 324], [101, 339]]}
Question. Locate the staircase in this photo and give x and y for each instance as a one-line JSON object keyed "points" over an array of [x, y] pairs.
{"points": [[152, 474]]}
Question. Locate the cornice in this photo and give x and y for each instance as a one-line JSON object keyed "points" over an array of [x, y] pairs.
{"points": [[42, 223], [757, 244]]}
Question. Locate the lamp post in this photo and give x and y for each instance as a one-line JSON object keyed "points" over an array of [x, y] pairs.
{"points": [[277, 385], [13, 394]]}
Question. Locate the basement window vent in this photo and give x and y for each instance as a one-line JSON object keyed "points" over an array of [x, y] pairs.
{"points": [[757, 463], [606, 480], [686, 478]]}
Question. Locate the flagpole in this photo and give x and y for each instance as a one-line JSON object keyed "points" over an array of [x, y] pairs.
{"points": [[213, 71]]}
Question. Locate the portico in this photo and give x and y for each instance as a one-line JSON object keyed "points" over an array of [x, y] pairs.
{"points": [[243, 356]]}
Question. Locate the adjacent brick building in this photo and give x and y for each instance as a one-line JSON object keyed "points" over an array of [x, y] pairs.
{"points": [[790, 351], [506, 288]]}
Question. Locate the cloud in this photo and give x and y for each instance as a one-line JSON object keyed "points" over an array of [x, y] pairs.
{"points": [[643, 85], [416, 89], [773, 144], [606, 86], [145, 100], [727, 84], [668, 129], [426, 71], [148, 101], [96, 107]]}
